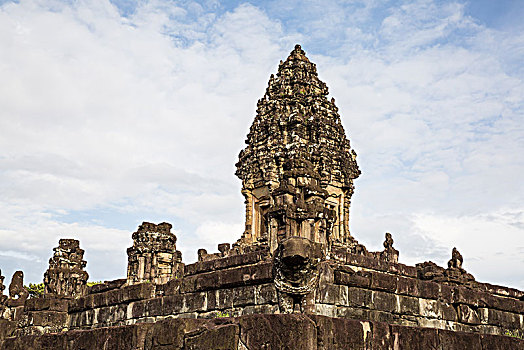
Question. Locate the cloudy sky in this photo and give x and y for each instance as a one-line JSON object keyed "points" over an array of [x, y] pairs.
{"points": [[118, 112]]}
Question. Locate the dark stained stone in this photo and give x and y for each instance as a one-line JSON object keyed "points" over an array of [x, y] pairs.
{"points": [[220, 337], [459, 340], [278, 332], [335, 333]]}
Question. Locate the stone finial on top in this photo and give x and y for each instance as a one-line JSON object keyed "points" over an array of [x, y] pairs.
{"points": [[153, 256], [2, 287], [456, 260], [298, 53], [224, 248], [389, 254], [3, 297], [455, 273], [65, 276], [388, 242]]}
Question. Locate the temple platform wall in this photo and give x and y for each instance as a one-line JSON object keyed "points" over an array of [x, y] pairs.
{"points": [[290, 331], [349, 286]]}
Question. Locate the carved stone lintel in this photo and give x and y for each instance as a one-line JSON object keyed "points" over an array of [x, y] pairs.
{"points": [[389, 254]]}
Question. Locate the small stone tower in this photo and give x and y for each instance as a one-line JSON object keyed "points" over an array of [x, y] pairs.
{"points": [[65, 276], [153, 256], [297, 169]]}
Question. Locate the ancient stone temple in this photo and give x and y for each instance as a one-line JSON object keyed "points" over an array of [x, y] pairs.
{"points": [[295, 279], [297, 169], [153, 256], [65, 276]]}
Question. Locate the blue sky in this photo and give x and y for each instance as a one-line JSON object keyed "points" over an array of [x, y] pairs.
{"points": [[114, 113]]}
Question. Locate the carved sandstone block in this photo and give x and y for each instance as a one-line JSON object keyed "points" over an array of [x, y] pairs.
{"points": [[467, 315], [218, 337], [449, 340], [172, 304], [266, 294], [382, 281], [359, 297], [409, 305], [359, 279], [329, 294], [384, 301], [429, 308]]}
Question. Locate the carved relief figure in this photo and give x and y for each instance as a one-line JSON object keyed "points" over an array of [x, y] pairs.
{"points": [[389, 254]]}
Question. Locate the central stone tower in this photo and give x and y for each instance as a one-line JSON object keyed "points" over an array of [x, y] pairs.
{"points": [[297, 169]]}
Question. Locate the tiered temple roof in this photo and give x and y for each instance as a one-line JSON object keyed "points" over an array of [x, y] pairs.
{"points": [[297, 169]]}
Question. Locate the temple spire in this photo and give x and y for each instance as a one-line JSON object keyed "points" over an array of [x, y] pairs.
{"points": [[297, 169]]}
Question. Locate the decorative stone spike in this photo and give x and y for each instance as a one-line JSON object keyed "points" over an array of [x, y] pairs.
{"points": [[65, 276], [153, 256], [297, 169]]}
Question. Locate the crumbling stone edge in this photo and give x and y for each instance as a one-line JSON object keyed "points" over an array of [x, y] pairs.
{"points": [[250, 332]]}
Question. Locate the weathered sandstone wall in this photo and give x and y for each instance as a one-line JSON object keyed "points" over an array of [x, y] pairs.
{"points": [[263, 332]]}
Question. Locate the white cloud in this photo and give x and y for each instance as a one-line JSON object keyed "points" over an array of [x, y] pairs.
{"points": [[497, 235], [19, 255], [211, 233], [31, 234]]}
